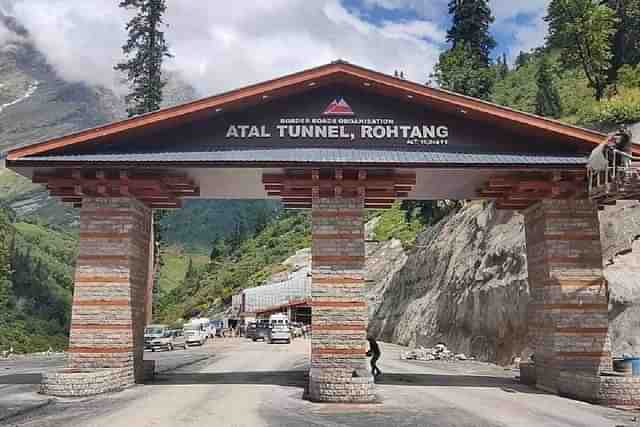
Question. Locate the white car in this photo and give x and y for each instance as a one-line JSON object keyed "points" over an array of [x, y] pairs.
{"points": [[280, 330], [194, 337]]}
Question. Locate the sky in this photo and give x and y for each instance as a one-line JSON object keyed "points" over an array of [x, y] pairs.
{"points": [[222, 45]]}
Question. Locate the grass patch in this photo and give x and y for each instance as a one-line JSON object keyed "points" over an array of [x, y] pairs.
{"points": [[393, 224], [175, 265]]}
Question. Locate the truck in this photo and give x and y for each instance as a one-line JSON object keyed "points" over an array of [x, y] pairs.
{"points": [[280, 330]]}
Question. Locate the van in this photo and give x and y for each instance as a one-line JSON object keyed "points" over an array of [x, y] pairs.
{"points": [[280, 330]]}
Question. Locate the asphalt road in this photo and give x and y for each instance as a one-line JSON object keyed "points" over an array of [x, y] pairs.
{"points": [[243, 383]]}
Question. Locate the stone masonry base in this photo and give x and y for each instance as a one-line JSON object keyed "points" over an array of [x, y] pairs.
{"points": [[340, 386], [90, 382], [609, 388]]}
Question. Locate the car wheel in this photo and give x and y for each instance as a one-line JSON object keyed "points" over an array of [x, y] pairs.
{"points": [[170, 347], [153, 349]]}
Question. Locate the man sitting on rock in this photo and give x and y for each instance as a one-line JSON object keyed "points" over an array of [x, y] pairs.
{"points": [[374, 354]]}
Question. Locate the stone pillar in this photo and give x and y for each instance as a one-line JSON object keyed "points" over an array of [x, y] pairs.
{"points": [[568, 313], [150, 276], [108, 317], [339, 369]]}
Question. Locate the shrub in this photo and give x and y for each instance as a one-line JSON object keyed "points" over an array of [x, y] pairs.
{"points": [[619, 109]]}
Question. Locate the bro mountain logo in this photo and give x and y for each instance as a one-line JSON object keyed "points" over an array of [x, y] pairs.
{"points": [[338, 107]]}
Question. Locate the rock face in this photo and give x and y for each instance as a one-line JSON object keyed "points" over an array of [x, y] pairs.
{"points": [[465, 284]]}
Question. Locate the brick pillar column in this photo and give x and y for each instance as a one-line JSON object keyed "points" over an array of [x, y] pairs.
{"points": [[569, 304], [108, 317], [339, 369], [150, 276]]}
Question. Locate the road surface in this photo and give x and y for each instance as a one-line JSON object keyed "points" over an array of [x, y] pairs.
{"points": [[242, 383]]}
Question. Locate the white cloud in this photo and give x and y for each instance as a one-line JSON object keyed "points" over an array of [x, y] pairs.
{"points": [[508, 9], [502, 9], [434, 9], [218, 47], [527, 37], [508, 14]]}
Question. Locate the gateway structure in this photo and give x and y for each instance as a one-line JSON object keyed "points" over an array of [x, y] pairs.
{"points": [[336, 139]]}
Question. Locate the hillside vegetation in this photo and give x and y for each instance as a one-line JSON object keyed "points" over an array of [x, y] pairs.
{"points": [[236, 263], [36, 279], [519, 89]]}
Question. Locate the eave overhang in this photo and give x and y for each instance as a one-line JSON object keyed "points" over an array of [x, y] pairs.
{"points": [[337, 72]]}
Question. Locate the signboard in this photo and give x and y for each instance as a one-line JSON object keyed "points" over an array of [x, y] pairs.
{"points": [[337, 117], [338, 122]]}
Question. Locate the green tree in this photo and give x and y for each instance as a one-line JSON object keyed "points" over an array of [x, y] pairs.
{"points": [[626, 41], [466, 67], [6, 241], [502, 67], [460, 70], [145, 51], [470, 27], [547, 96], [522, 59], [584, 30]]}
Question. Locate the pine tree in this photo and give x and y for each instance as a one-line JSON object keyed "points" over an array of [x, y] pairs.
{"points": [[522, 59], [502, 67], [547, 96], [471, 21], [461, 71], [6, 238], [466, 67], [145, 50]]}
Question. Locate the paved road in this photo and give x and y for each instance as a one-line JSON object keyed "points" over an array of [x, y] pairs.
{"points": [[257, 384]]}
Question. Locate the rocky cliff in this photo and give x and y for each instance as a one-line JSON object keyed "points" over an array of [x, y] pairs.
{"points": [[465, 283]]}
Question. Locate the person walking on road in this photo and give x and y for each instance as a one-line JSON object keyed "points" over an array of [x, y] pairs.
{"points": [[374, 353]]}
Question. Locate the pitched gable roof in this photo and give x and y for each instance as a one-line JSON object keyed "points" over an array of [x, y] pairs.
{"points": [[336, 72]]}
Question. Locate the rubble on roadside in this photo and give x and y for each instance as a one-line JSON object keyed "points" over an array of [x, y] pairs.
{"points": [[439, 352]]}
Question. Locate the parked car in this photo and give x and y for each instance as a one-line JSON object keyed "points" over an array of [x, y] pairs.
{"points": [[194, 336], [262, 331], [280, 333], [179, 339], [296, 329], [251, 331], [156, 333], [280, 330], [164, 342]]}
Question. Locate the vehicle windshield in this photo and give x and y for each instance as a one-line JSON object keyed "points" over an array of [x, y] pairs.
{"points": [[154, 331]]}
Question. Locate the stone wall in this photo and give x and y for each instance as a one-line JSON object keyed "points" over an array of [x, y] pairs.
{"points": [[610, 390], [339, 370], [81, 383]]}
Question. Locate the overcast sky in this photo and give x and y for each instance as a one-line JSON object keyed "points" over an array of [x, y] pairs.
{"points": [[220, 45]]}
